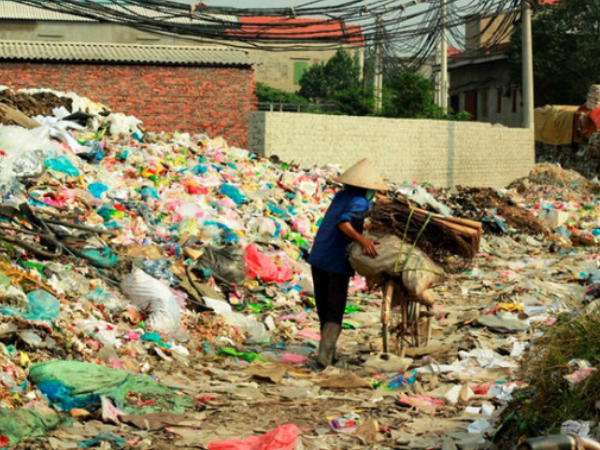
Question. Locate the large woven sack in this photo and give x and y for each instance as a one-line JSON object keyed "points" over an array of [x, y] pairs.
{"points": [[419, 273]]}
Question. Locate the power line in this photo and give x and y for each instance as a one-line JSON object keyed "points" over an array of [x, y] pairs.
{"points": [[410, 27]]}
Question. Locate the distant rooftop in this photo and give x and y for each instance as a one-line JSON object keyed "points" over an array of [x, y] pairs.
{"points": [[306, 29], [123, 53]]}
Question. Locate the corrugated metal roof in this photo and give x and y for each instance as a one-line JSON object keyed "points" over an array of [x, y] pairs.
{"points": [[123, 53], [10, 10]]}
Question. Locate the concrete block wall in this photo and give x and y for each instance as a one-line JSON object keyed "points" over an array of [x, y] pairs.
{"points": [[212, 100], [443, 153]]}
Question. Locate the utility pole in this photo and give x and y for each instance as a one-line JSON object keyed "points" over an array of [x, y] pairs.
{"points": [[443, 59], [378, 70], [527, 56]]}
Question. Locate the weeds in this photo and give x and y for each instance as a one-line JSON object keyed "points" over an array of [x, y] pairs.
{"points": [[550, 400]]}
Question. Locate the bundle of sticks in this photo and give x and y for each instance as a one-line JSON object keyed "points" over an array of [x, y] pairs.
{"points": [[450, 241]]}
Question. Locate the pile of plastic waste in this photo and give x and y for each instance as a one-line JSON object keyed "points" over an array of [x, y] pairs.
{"points": [[116, 242], [149, 279]]}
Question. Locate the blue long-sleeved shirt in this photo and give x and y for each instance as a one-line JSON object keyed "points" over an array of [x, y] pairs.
{"points": [[329, 249]]}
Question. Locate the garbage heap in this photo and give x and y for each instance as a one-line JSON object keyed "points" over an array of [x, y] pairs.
{"points": [[127, 249], [115, 242]]}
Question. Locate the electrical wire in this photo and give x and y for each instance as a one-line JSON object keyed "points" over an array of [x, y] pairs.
{"points": [[409, 30]]}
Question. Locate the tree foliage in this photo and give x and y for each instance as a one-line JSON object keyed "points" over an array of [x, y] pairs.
{"points": [[410, 95], [406, 94], [566, 52], [267, 94], [323, 80]]}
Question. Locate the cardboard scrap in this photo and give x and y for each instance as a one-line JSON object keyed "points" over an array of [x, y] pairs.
{"points": [[267, 371], [368, 431], [342, 380]]}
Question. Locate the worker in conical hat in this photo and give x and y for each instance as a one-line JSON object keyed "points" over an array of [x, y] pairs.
{"points": [[331, 270]]}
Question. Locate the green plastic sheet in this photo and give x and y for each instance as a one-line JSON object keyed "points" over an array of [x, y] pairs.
{"points": [[85, 378], [21, 424]]}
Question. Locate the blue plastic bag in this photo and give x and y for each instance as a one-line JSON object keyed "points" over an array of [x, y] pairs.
{"points": [[149, 192], [199, 169], [97, 189], [233, 193], [63, 165]]}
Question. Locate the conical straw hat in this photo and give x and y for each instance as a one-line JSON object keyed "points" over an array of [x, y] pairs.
{"points": [[363, 175]]}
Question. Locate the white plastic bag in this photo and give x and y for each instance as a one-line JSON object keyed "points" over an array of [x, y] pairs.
{"points": [[154, 298], [120, 124], [25, 152], [256, 331], [420, 195]]}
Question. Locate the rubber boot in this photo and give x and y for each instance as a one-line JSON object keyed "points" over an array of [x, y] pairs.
{"points": [[329, 336]]}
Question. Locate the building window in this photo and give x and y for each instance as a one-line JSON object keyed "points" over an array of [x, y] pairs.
{"points": [[484, 103], [514, 100], [499, 100], [300, 67]]}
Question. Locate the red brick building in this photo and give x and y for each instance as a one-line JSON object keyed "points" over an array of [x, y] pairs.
{"points": [[186, 88]]}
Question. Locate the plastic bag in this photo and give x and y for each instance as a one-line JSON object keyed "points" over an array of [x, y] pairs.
{"points": [[420, 195], [159, 268], [29, 164], [63, 165], [153, 297], [283, 437], [233, 193], [97, 189], [420, 272], [261, 266], [256, 331], [262, 228], [24, 152], [120, 124], [42, 306], [226, 263]]}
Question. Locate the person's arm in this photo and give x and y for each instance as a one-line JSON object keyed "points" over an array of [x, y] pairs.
{"points": [[367, 245]]}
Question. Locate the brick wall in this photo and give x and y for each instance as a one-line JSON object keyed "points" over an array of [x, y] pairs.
{"points": [[440, 152], [214, 100]]}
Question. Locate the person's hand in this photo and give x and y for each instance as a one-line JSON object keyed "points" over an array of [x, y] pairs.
{"points": [[368, 247]]}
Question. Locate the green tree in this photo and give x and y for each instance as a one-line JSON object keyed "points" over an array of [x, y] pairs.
{"points": [[313, 84], [323, 80], [410, 95], [566, 49], [353, 102], [342, 72]]}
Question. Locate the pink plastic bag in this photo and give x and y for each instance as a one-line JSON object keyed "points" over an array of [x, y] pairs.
{"points": [[281, 438], [260, 265], [417, 401], [290, 358]]}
